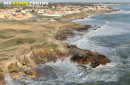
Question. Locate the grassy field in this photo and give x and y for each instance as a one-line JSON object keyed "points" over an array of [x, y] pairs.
{"points": [[18, 38], [44, 16]]}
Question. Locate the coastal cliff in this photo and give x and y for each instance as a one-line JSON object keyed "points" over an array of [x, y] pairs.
{"points": [[24, 65]]}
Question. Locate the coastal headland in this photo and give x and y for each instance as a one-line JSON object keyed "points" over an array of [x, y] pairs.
{"points": [[26, 44]]}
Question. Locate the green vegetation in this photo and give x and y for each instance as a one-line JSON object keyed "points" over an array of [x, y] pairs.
{"points": [[4, 59], [25, 31], [63, 21], [7, 31], [3, 55], [43, 16], [7, 43], [5, 36], [44, 35], [45, 45], [25, 51], [49, 27], [23, 22], [16, 41], [22, 41], [74, 25], [74, 16], [12, 49], [25, 40], [14, 31]]}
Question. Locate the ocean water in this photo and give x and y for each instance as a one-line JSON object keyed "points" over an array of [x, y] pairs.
{"points": [[109, 35]]}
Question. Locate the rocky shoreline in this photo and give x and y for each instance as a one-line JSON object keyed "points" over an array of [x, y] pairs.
{"points": [[2, 82], [86, 14], [68, 32], [80, 56], [23, 65]]}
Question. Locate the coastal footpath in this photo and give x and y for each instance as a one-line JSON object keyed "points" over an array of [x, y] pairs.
{"points": [[29, 44]]}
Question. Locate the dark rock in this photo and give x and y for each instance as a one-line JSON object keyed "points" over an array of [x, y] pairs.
{"points": [[13, 67], [100, 60], [2, 81], [84, 67], [45, 71], [83, 57], [82, 17], [86, 27], [30, 73], [64, 34], [43, 57]]}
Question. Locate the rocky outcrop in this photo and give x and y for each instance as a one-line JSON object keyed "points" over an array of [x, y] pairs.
{"points": [[85, 27], [17, 70], [64, 34], [1, 71], [45, 71], [43, 56], [24, 65], [2, 82], [80, 56], [28, 65], [83, 57]]}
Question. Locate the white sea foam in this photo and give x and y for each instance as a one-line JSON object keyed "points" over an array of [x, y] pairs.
{"points": [[124, 11], [70, 72], [9, 80], [121, 11], [108, 30], [74, 74]]}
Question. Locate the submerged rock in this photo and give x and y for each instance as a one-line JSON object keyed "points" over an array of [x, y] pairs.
{"points": [[45, 71], [83, 57]]}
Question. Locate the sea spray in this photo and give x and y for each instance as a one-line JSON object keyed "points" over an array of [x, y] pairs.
{"points": [[64, 71], [115, 73]]}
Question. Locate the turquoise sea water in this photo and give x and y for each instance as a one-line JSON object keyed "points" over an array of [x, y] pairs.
{"points": [[111, 37]]}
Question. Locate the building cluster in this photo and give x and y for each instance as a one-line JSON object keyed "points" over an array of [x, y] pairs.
{"points": [[69, 9], [15, 14], [54, 10]]}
